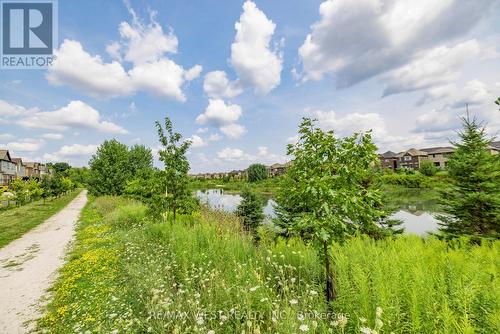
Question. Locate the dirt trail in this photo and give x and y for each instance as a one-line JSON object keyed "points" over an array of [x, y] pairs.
{"points": [[29, 265]]}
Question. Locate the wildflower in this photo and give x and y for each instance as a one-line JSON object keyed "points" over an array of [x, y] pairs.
{"points": [[365, 330], [378, 312], [378, 323], [304, 328], [200, 321], [363, 320], [300, 317], [293, 301], [211, 332], [342, 320], [313, 293], [253, 289]]}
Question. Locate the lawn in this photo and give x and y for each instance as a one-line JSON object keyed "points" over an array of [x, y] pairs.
{"points": [[204, 275], [17, 221]]}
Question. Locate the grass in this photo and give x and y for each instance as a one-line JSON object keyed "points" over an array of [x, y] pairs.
{"points": [[17, 221], [204, 275]]}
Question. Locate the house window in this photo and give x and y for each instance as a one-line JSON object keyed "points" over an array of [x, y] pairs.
{"points": [[407, 158], [437, 164]]}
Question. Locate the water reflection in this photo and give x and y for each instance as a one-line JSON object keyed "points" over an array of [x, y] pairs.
{"points": [[417, 217]]}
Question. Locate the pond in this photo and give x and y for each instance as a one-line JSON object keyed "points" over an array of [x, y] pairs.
{"points": [[417, 218]]}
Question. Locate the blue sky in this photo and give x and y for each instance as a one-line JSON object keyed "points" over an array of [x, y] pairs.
{"points": [[237, 77]]}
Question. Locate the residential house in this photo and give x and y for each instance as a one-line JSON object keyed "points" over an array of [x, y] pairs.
{"points": [[389, 160], [439, 155], [494, 147], [278, 169], [7, 168], [411, 159], [237, 174], [20, 169], [32, 169]]}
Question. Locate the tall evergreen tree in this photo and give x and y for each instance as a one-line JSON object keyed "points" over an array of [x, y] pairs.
{"points": [[472, 203], [174, 177], [250, 210]]}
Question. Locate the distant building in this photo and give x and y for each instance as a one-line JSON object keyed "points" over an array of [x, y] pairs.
{"points": [[439, 155], [7, 168], [495, 147], [389, 159], [20, 169], [411, 159], [278, 169]]}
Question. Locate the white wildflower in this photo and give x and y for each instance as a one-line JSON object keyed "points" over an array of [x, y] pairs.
{"points": [[304, 328], [293, 301]]}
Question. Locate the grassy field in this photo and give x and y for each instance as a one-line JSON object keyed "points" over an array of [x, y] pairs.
{"points": [[203, 275], [17, 221]]}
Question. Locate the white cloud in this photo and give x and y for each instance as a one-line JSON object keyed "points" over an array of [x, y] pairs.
{"points": [[430, 68], [219, 113], [234, 154], [24, 145], [69, 152], [76, 114], [143, 45], [356, 40], [52, 136], [215, 137], [202, 130], [163, 77], [89, 74], [477, 94], [193, 73], [6, 136], [357, 122], [251, 57], [217, 85], [233, 130], [10, 110], [197, 141]]}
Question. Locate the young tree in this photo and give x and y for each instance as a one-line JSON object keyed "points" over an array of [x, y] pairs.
{"points": [[19, 188], [428, 168], [472, 203], [256, 172], [250, 210], [325, 196], [174, 177], [109, 169], [45, 186]]}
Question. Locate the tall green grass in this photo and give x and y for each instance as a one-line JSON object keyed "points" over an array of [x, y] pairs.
{"points": [[204, 275]]}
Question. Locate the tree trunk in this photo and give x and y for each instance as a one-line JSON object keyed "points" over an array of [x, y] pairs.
{"points": [[330, 289]]}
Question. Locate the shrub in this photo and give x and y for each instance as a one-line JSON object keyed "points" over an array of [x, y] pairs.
{"points": [[416, 180], [428, 168], [257, 172]]}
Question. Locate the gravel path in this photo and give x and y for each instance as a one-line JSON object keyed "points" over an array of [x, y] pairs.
{"points": [[29, 265]]}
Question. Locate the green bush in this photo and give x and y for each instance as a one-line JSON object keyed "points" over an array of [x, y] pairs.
{"points": [[415, 180], [257, 172], [428, 168]]}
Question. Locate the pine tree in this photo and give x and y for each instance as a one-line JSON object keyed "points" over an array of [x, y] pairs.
{"points": [[472, 203], [250, 211]]}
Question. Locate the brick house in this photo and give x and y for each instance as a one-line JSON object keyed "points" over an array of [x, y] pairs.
{"points": [[389, 160]]}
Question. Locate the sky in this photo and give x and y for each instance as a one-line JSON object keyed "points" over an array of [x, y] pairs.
{"points": [[237, 77]]}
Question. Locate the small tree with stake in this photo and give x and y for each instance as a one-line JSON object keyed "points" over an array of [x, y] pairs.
{"points": [[250, 211], [324, 196], [175, 174]]}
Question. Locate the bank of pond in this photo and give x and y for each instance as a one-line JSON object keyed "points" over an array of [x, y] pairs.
{"points": [[415, 208], [204, 274]]}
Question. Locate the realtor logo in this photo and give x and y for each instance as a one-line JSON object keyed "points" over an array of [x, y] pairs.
{"points": [[29, 33]]}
